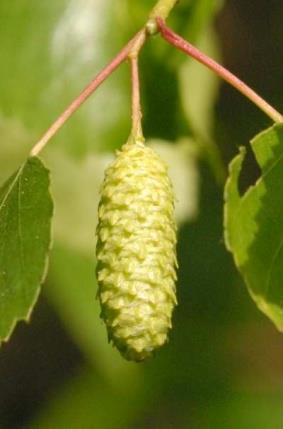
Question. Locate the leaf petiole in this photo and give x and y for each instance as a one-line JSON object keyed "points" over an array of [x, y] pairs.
{"points": [[183, 45]]}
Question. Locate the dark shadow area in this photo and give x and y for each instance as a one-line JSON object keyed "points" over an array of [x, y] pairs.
{"points": [[38, 358]]}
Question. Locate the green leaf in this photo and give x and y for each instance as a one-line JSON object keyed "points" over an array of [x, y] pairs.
{"points": [[254, 223], [25, 217]]}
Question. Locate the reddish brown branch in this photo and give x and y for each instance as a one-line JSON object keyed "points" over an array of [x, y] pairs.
{"points": [[183, 45]]}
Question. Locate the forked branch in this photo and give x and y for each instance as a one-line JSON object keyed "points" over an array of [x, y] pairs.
{"points": [[139, 38]]}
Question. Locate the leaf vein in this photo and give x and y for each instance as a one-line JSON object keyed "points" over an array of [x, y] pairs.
{"points": [[11, 187]]}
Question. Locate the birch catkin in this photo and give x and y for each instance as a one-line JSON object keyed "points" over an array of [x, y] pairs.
{"points": [[136, 251]]}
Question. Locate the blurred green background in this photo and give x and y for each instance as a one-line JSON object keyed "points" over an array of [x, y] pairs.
{"points": [[223, 366]]}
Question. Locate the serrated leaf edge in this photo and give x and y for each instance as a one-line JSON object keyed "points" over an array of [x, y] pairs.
{"points": [[261, 302], [46, 262]]}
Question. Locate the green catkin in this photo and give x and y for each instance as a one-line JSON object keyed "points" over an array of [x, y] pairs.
{"points": [[136, 251]]}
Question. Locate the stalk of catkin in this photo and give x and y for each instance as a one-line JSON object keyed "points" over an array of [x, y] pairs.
{"points": [[136, 251]]}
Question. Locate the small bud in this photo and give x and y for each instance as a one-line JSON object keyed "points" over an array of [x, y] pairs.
{"points": [[151, 27], [136, 251]]}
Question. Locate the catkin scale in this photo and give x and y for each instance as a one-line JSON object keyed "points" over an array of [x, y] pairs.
{"points": [[136, 251]]}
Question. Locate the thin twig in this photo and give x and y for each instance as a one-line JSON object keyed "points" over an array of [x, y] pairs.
{"points": [[89, 89], [177, 41], [136, 104]]}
